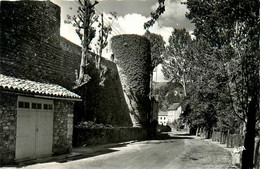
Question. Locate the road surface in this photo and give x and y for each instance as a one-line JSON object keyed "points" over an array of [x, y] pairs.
{"points": [[174, 152]]}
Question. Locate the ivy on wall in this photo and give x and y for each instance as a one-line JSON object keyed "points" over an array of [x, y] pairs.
{"points": [[133, 57]]}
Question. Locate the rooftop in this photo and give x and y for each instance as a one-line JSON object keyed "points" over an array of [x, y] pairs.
{"points": [[28, 86], [162, 113], [174, 106]]}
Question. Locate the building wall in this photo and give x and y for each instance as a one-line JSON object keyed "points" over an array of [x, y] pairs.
{"points": [[7, 127], [31, 47], [174, 114], [162, 120], [62, 126]]}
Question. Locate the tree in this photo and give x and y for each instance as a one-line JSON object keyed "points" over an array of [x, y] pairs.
{"points": [[155, 15], [168, 94], [177, 59], [234, 23], [83, 22], [221, 24], [157, 47], [104, 31]]}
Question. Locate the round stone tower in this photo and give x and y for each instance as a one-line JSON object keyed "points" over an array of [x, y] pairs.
{"points": [[133, 58]]}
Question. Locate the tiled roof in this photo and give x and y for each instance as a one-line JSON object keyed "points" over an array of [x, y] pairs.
{"points": [[162, 113], [174, 106], [29, 86]]}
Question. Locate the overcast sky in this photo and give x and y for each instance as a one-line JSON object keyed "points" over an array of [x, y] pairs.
{"points": [[131, 15]]}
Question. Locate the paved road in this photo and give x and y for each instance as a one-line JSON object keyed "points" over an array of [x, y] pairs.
{"points": [[175, 152]]}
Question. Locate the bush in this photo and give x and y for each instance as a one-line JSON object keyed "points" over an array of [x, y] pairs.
{"points": [[163, 128]]}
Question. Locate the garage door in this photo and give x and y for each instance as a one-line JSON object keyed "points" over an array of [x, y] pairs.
{"points": [[34, 133]]}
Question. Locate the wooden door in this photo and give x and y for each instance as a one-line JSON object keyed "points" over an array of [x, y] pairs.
{"points": [[34, 133], [25, 135]]}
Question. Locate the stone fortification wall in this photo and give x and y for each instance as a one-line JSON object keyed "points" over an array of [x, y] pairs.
{"points": [[30, 43], [103, 104], [133, 58]]}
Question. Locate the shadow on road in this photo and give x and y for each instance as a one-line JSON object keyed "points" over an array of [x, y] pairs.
{"points": [[91, 151], [169, 135], [76, 154]]}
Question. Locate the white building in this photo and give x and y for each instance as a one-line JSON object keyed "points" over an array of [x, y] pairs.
{"points": [[162, 117], [173, 113]]}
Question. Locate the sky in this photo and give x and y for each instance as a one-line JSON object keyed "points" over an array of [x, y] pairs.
{"points": [[131, 15]]}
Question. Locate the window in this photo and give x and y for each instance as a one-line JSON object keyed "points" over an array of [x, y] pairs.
{"points": [[39, 106], [36, 106], [25, 105], [47, 106]]}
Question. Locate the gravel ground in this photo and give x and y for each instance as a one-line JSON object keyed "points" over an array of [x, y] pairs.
{"points": [[200, 154]]}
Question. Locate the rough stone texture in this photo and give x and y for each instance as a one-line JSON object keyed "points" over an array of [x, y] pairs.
{"points": [[133, 57], [7, 127], [27, 52], [31, 47], [62, 126], [102, 136], [103, 104]]}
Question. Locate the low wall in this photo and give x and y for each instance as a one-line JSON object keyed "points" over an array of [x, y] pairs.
{"points": [[101, 136], [231, 140]]}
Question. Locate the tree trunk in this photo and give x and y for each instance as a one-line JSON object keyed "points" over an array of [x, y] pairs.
{"points": [[249, 142]]}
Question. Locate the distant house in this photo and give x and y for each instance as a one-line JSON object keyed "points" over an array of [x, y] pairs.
{"points": [[162, 117], [169, 116], [174, 112]]}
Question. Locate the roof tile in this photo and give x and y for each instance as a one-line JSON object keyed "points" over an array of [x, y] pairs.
{"points": [[23, 85]]}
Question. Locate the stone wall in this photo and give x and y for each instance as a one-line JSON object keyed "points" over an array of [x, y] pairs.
{"points": [[103, 104], [33, 53], [7, 127], [133, 58], [62, 126], [31, 47], [102, 136]]}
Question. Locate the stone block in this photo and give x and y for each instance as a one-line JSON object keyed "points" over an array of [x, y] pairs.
{"points": [[12, 127], [6, 128], [11, 137]]}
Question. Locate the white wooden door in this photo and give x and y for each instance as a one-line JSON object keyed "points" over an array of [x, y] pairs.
{"points": [[25, 134], [44, 133], [34, 132]]}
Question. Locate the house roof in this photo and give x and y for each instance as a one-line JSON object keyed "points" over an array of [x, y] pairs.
{"points": [[28, 86], [162, 113], [174, 106]]}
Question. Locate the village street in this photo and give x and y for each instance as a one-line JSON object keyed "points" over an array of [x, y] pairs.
{"points": [[178, 151]]}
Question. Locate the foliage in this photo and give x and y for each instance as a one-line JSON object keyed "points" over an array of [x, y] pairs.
{"points": [[232, 30], [168, 94], [132, 55], [196, 67], [178, 59], [92, 124], [155, 15], [162, 128], [157, 47]]}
